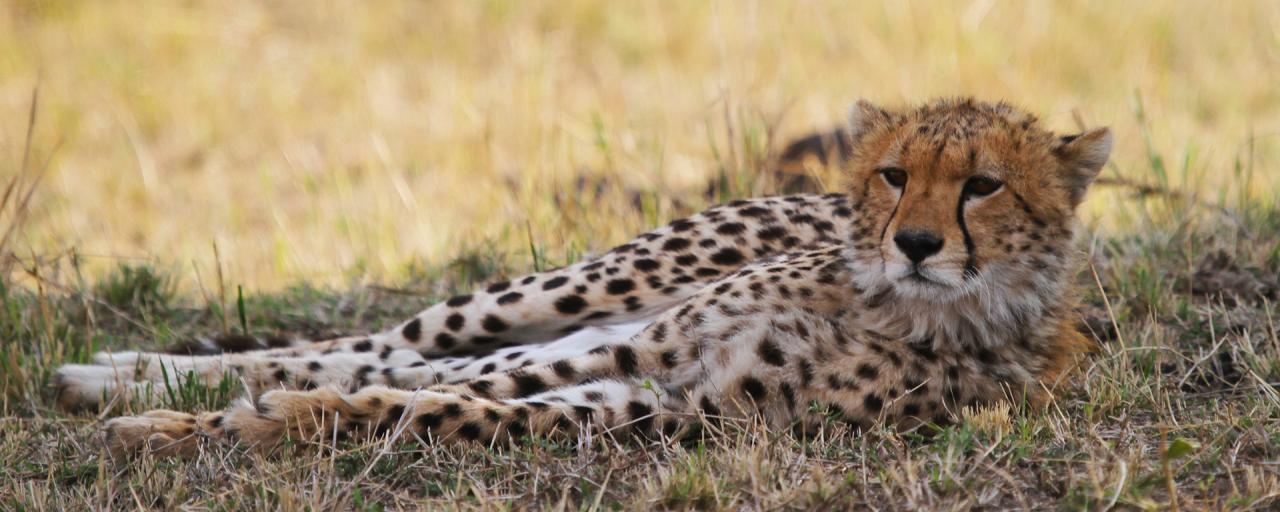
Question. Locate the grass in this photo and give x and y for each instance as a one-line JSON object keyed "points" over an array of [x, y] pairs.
{"points": [[1181, 407], [242, 167], [346, 144]]}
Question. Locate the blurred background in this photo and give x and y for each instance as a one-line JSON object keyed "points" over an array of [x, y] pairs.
{"points": [[340, 142]]}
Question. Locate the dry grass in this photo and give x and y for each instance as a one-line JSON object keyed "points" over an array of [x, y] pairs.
{"points": [[400, 151], [346, 140]]}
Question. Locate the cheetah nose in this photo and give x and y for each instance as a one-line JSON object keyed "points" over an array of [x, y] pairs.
{"points": [[917, 244]]}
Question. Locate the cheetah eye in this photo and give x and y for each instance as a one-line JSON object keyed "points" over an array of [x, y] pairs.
{"points": [[894, 176], [979, 186]]}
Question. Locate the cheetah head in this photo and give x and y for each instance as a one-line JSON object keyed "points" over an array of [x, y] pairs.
{"points": [[965, 200]]}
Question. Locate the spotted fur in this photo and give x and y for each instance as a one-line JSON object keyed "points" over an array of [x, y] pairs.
{"points": [[938, 279]]}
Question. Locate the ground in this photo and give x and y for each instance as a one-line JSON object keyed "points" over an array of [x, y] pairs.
{"points": [[311, 162], [1181, 402]]}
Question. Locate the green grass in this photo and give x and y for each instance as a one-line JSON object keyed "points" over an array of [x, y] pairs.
{"points": [[1181, 404]]}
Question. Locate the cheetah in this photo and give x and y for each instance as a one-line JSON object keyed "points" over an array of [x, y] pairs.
{"points": [[940, 278]]}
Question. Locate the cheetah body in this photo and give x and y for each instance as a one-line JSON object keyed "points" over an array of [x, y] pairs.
{"points": [[938, 279]]}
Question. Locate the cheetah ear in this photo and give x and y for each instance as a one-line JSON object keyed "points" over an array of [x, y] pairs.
{"points": [[1082, 156], [863, 116]]}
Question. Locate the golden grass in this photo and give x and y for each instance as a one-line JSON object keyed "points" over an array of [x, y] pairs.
{"points": [[340, 140]]}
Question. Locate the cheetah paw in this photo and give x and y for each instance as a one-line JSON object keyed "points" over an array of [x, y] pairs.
{"points": [[160, 432]]}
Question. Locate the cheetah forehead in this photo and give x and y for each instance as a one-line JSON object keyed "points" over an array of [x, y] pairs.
{"points": [[953, 135]]}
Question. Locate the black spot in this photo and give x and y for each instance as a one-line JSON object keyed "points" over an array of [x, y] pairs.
{"points": [[460, 300], [620, 286], [492, 323], [563, 424], [754, 388], [314, 366], [528, 385], [429, 421], [867, 371], [281, 375], [516, 429], [731, 228], [564, 369], [395, 412], [555, 282], [626, 359], [753, 211], [583, 412], [705, 272], [872, 403], [670, 358], [455, 322], [412, 331], [363, 346], [770, 353], [686, 260], [510, 298], [488, 368], [788, 394], [469, 431], [771, 233], [480, 386], [676, 244], [633, 304], [498, 287], [658, 333], [453, 410], [492, 415], [911, 410], [570, 304], [641, 414], [806, 372], [681, 225], [708, 408], [593, 396], [277, 342], [646, 265], [923, 349], [445, 341]]}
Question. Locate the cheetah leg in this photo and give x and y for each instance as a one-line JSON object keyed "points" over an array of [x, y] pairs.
{"points": [[146, 379], [632, 283], [143, 378], [322, 414]]}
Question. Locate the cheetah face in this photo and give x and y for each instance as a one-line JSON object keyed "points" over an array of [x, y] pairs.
{"points": [[962, 198]]}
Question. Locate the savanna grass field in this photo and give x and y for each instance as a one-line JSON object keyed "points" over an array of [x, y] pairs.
{"points": [[170, 170]]}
